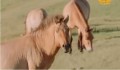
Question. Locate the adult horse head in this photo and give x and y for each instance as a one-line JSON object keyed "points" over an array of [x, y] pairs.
{"points": [[85, 40], [62, 32]]}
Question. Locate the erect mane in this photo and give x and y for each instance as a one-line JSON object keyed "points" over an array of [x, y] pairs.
{"points": [[82, 5], [78, 6], [44, 13], [82, 13], [46, 23]]}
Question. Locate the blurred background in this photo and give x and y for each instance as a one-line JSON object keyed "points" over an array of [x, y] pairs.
{"points": [[104, 19]]}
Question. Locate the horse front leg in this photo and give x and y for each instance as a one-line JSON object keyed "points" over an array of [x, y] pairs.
{"points": [[70, 42], [31, 64], [80, 41], [80, 45], [70, 45]]}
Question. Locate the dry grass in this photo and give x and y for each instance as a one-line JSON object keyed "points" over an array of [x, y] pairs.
{"points": [[104, 19]]}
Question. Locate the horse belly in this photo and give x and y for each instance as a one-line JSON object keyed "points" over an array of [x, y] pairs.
{"points": [[22, 64], [9, 61], [10, 56]]}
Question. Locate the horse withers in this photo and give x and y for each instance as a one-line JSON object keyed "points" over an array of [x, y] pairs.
{"points": [[37, 49], [78, 12], [34, 19]]}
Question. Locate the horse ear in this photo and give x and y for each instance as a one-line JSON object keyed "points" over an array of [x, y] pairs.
{"points": [[66, 20], [58, 18]]}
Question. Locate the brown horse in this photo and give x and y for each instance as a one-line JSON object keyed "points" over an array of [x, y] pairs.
{"points": [[78, 12], [37, 49], [34, 18]]}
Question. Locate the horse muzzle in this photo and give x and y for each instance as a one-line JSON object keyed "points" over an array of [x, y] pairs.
{"points": [[89, 49], [67, 48]]}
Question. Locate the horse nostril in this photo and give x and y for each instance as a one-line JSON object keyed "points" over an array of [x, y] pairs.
{"points": [[67, 47], [63, 45]]}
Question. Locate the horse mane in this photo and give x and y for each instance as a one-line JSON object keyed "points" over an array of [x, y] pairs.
{"points": [[44, 13], [46, 23], [78, 6], [84, 7]]}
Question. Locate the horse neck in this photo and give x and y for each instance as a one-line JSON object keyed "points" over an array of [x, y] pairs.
{"points": [[45, 41], [83, 24]]}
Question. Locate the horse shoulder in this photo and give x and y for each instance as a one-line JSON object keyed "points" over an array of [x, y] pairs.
{"points": [[34, 54], [34, 57]]}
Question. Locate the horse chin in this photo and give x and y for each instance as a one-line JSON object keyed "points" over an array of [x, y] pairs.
{"points": [[67, 47]]}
